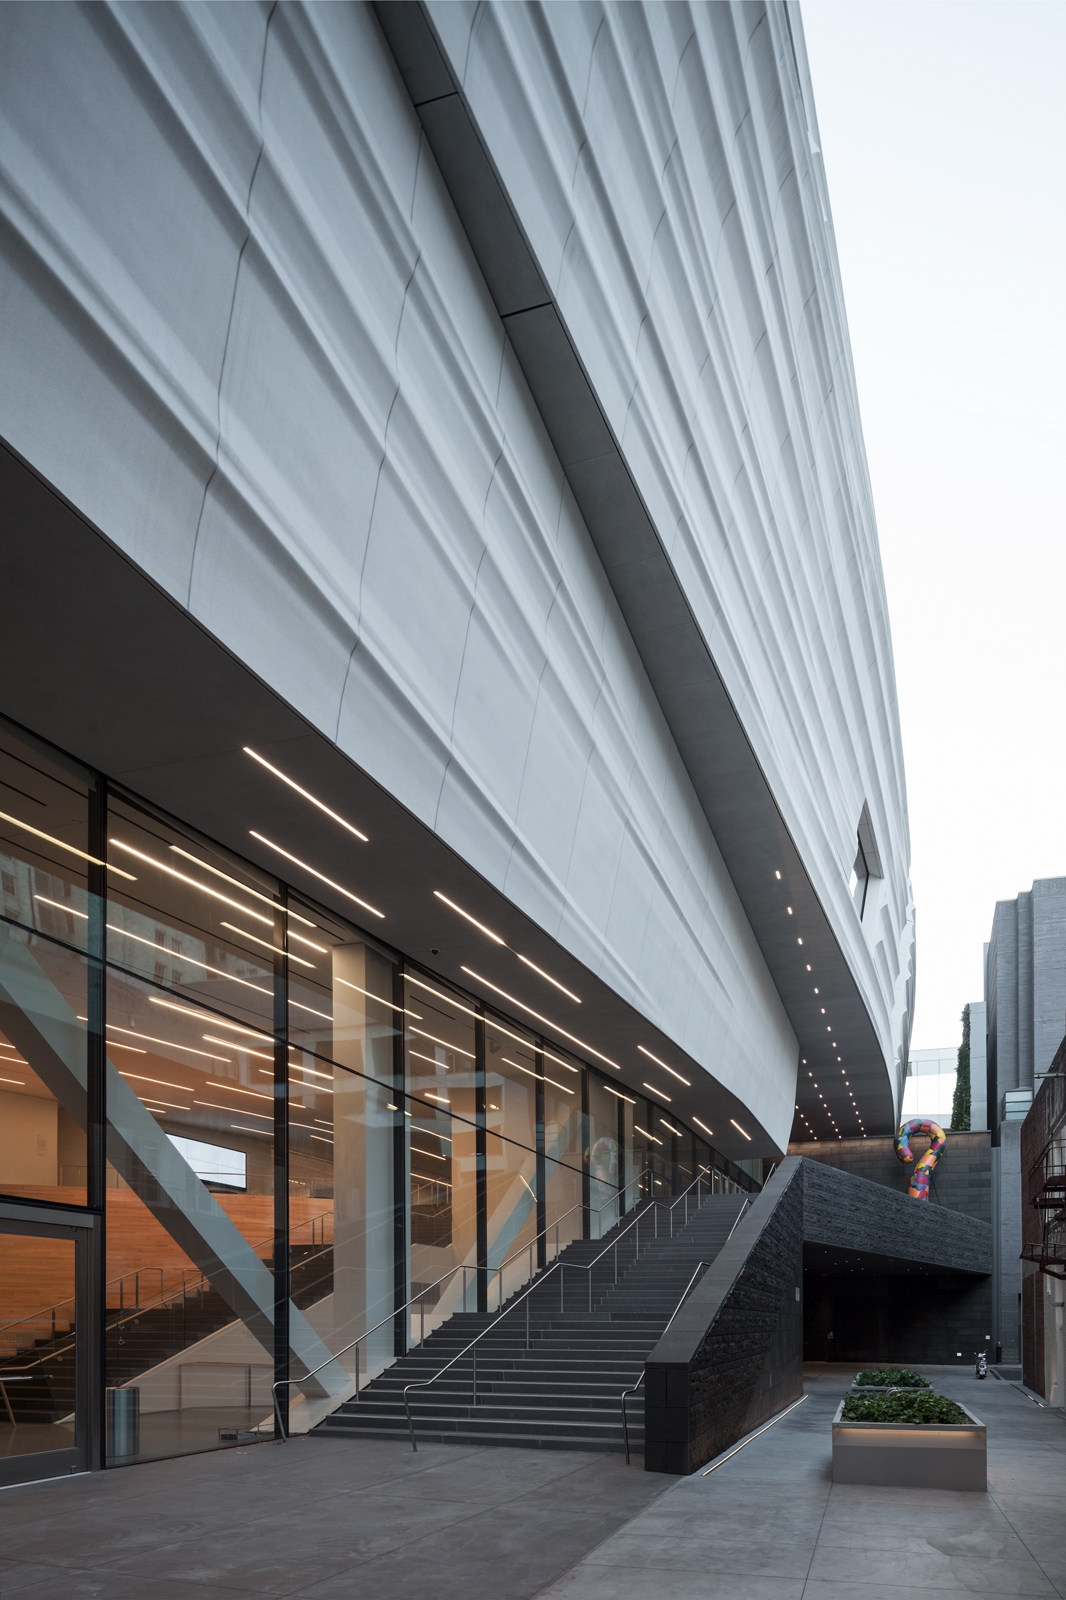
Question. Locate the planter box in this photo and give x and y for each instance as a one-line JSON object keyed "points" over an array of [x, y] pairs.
{"points": [[884, 1388], [911, 1455]]}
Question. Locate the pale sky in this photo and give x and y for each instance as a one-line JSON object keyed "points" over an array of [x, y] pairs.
{"points": [[943, 130]]}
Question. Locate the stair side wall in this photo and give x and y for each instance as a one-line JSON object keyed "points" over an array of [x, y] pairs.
{"points": [[734, 1355]]}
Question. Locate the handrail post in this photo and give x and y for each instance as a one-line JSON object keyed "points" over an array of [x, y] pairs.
{"points": [[590, 1291], [527, 1321], [562, 1269], [357, 1370], [422, 1303], [473, 1352], [616, 1261]]}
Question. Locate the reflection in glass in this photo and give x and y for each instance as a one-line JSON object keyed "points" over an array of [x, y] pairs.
{"points": [[510, 1158], [343, 1028], [605, 1155], [43, 986], [563, 1150], [442, 1106], [38, 1336]]}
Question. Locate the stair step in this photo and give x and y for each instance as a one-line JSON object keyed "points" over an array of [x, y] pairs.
{"points": [[563, 1389]]}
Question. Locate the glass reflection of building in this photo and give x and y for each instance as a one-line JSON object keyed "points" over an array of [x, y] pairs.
{"points": [[292, 1135]]}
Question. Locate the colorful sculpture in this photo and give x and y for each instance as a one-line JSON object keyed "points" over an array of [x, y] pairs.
{"points": [[919, 1184]]}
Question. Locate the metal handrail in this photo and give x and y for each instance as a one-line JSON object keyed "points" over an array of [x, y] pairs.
{"points": [[424, 1383], [701, 1268], [464, 1268], [653, 1205], [497, 1272], [164, 1294]]}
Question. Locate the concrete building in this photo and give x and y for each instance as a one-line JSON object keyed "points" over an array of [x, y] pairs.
{"points": [[1025, 1009], [1043, 1170], [450, 751]]}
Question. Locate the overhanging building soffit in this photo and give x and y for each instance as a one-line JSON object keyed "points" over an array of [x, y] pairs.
{"points": [[137, 688], [800, 947]]}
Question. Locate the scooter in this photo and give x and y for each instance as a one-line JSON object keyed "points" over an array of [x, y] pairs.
{"points": [[982, 1364]]}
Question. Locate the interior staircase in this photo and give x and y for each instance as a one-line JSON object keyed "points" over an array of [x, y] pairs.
{"points": [[139, 1339], [564, 1391]]}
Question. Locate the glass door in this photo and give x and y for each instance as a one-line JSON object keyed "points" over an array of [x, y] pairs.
{"points": [[43, 1284]]}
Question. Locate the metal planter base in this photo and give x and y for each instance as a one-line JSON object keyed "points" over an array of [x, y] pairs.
{"points": [[909, 1455]]}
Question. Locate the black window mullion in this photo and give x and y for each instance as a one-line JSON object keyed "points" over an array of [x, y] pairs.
{"points": [[400, 1184], [281, 1154], [481, 1160], [542, 1164], [94, 1364], [586, 1180]]}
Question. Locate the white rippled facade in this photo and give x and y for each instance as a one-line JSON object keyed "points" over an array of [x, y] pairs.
{"points": [[246, 336]]}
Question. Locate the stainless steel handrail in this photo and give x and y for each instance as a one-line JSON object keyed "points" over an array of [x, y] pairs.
{"points": [[424, 1383], [654, 1206], [701, 1268], [464, 1268], [527, 1249]]}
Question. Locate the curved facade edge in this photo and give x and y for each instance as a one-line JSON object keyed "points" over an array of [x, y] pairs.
{"points": [[250, 343]]}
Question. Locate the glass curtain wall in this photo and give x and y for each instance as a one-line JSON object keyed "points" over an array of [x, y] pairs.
{"points": [[307, 1143], [44, 940], [346, 1138], [443, 1098], [192, 935]]}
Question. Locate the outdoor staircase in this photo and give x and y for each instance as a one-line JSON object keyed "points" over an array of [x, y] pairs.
{"points": [[564, 1391]]}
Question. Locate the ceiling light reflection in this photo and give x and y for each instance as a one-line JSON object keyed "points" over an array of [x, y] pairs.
{"points": [[60, 845]]}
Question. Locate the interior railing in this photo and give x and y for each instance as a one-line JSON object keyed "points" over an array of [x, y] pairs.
{"points": [[193, 1282]]}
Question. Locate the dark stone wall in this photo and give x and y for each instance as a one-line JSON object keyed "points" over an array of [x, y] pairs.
{"points": [[735, 1352], [854, 1214], [897, 1279], [962, 1179]]}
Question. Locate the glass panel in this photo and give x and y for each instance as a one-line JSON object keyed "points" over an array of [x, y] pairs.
{"points": [[510, 1158], [635, 1157], [562, 1151], [652, 1142], [442, 1101], [343, 1024], [43, 863], [37, 1344], [190, 918], [190, 1219], [43, 988], [605, 1155], [190, 1143], [44, 812]]}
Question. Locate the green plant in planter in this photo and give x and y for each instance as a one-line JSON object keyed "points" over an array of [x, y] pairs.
{"points": [[891, 1378], [902, 1408]]}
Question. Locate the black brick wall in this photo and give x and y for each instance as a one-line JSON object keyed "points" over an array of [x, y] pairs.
{"points": [[854, 1214], [735, 1352], [962, 1180], [896, 1279]]}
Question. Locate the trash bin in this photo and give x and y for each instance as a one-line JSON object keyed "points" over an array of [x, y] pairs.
{"points": [[123, 1423]]}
